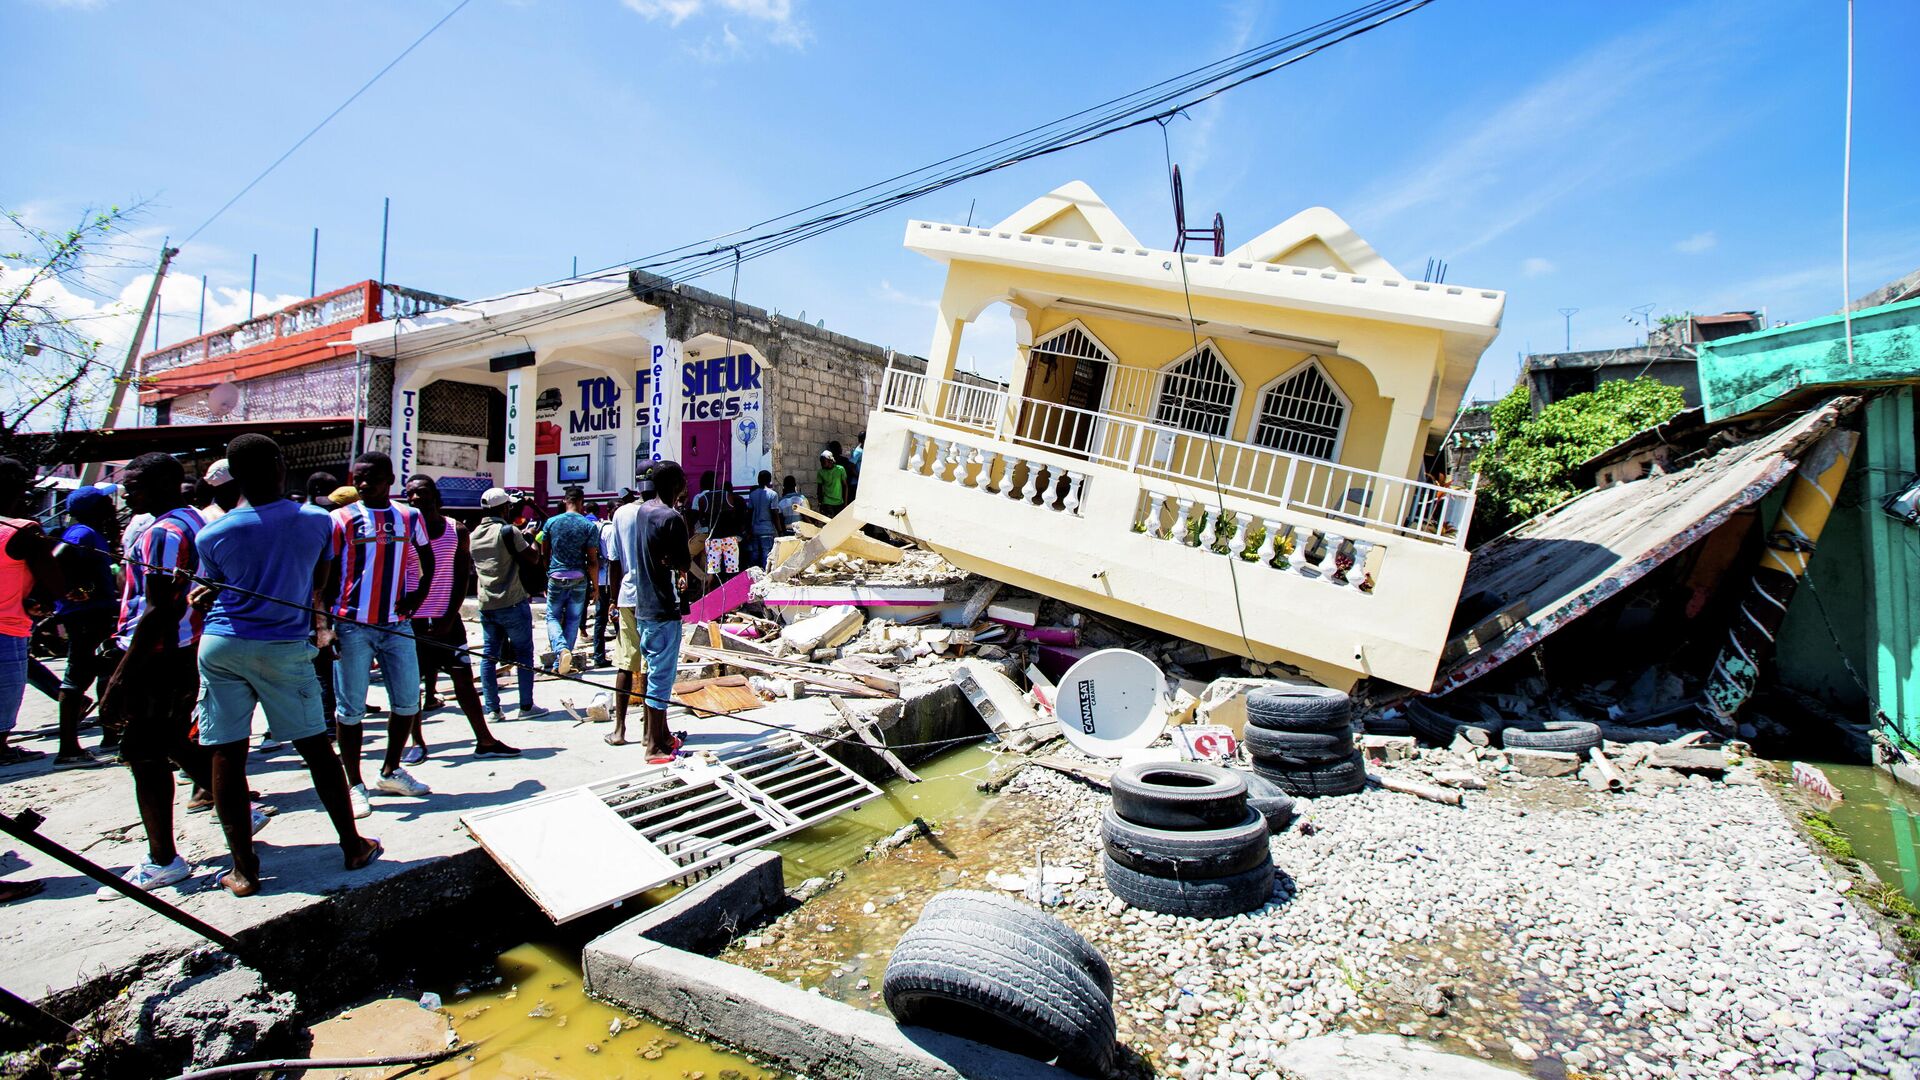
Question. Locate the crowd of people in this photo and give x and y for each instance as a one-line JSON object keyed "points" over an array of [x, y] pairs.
{"points": [[236, 597]]}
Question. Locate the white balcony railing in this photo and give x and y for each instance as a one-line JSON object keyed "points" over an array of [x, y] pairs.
{"points": [[1364, 497]]}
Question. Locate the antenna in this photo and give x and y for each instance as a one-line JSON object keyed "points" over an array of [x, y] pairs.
{"points": [[1182, 234], [1436, 271], [1568, 313], [1644, 311]]}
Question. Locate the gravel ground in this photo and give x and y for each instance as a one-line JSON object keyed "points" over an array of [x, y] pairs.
{"points": [[1683, 932]]}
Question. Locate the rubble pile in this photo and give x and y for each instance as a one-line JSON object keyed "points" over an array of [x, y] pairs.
{"points": [[1668, 931]]}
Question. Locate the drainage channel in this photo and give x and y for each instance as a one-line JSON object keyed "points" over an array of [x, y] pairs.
{"points": [[1880, 817]]}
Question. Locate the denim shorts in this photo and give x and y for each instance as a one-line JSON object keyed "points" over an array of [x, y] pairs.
{"points": [[655, 643], [236, 674], [13, 679], [399, 669]]}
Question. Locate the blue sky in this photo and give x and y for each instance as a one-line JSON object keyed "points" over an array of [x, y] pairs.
{"points": [[1599, 155]]}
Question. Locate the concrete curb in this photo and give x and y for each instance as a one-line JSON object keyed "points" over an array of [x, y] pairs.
{"points": [[806, 1033]]}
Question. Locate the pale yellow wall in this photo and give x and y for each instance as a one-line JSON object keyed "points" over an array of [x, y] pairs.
{"points": [[1388, 429], [1153, 347]]}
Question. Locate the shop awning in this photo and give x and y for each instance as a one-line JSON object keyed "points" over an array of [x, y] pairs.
{"points": [[1559, 566], [125, 443]]}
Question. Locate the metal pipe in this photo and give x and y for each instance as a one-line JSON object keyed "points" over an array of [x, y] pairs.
{"points": [[22, 828]]}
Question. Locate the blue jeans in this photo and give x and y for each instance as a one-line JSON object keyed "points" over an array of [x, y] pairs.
{"points": [[13, 679], [566, 606], [506, 634], [759, 550], [399, 669]]}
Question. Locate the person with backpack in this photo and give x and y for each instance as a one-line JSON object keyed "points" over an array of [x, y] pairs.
{"points": [[503, 560]]}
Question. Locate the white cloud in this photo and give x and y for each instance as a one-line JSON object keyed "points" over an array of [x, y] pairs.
{"points": [[1537, 267], [1697, 243], [776, 17], [1576, 127], [886, 292]]}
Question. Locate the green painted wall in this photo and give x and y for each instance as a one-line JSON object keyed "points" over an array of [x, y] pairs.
{"points": [[1809, 661], [1893, 561], [1752, 371]]}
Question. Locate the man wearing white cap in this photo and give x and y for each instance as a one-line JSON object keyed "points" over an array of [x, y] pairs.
{"points": [[216, 493], [500, 552]]}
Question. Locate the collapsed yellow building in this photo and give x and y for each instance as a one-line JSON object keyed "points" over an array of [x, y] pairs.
{"points": [[1228, 449]]}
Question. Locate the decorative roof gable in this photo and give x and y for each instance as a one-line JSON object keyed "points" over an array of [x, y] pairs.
{"points": [[1072, 211], [1319, 239]]}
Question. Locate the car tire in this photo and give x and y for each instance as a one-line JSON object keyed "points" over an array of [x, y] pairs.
{"points": [[1381, 724], [1272, 802], [986, 983], [1287, 707], [1567, 736], [1340, 778], [1187, 854], [1179, 795], [1438, 728], [1299, 749], [1205, 898], [996, 909]]}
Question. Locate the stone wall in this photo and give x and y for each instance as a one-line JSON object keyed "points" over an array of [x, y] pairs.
{"points": [[820, 385]]}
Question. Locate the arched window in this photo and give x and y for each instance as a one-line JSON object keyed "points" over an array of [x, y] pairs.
{"points": [[1198, 393], [1086, 359], [1302, 412]]}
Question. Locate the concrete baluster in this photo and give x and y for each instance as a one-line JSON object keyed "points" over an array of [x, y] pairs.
{"points": [[1006, 474], [974, 457], [952, 471], [1302, 544], [1072, 503], [1330, 562], [984, 480], [939, 464], [1213, 535], [1179, 534], [918, 459], [1154, 501], [1271, 545], [1032, 488], [1241, 524], [1358, 574]]}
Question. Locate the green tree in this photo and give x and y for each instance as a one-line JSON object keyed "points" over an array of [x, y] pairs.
{"points": [[1529, 466]]}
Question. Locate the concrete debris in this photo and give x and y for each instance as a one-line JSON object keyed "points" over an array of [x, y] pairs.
{"points": [[1224, 702], [831, 627], [204, 1008], [1542, 762], [1387, 1057], [1003, 707]]}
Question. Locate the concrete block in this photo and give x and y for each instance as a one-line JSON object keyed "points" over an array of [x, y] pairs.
{"points": [[1339, 1057], [1542, 762], [805, 1034], [706, 916], [830, 627], [1389, 747]]}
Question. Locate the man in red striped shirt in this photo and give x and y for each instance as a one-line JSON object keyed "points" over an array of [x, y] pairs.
{"points": [[373, 539]]}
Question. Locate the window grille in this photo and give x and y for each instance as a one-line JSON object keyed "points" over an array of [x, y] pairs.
{"points": [[454, 408], [1302, 414], [1198, 394], [1074, 343]]}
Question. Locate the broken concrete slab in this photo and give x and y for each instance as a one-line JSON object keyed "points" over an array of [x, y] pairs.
{"points": [[1389, 747], [855, 595], [1542, 762], [834, 626], [1225, 702], [1003, 706], [1380, 1057], [205, 1008], [1022, 611], [1688, 758], [805, 1034]]}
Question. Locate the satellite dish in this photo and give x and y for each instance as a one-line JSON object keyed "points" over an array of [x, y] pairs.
{"points": [[223, 399], [1111, 702]]}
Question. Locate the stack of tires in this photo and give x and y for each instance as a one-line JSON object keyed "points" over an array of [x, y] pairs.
{"points": [[1005, 973], [1181, 839], [1301, 738]]}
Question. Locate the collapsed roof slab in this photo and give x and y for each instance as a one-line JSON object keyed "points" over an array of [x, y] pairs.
{"points": [[1560, 565]]}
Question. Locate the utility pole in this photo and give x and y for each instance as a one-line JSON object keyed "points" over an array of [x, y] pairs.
{"points": [[1568, 313], [91, 472], [313, 268], [253, 285], [201, 332], [386, 207]]}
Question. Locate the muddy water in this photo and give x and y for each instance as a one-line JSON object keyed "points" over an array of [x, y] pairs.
{"points": [[1881, 818], [537, 1022], [946, 795]]}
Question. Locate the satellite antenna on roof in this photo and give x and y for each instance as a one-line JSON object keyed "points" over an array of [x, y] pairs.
{"points": [[222, 399], [1182, 234]]}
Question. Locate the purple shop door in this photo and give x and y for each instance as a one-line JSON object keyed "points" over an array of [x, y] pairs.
{"points": [[706, 444]]}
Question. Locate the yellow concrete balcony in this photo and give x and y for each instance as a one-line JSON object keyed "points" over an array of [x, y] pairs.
{"points": [[1340, 571]]}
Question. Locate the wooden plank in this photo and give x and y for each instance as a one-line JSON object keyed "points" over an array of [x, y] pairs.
{"points": [[787, 669], [871, 676], [713, 697], [864, 728], [1079, 770]]}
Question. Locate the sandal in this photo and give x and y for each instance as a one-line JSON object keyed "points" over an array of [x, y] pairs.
{"points": [[13, 755], [20, 890], [373, 852], [228, 882]]}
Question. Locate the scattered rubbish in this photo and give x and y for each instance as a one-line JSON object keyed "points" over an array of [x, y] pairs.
{"points": [[1430, 792], [1812, 779], [429, 1000], [1206, 742]]}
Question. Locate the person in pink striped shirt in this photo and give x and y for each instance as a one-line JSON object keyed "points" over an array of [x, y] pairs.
{"points": [[439, 634], [373, 539]]}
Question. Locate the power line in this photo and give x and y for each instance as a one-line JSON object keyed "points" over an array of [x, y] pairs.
{"points": [[338, 109]]}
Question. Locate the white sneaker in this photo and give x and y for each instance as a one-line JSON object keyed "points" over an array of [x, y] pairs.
{"points": [[260, 819], [495, 718], [531, 712], [399, 783], [150, 877], [357, 798]]}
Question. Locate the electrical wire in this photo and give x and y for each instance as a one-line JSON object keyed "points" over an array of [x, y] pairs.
{"points": [[315, 130]]}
